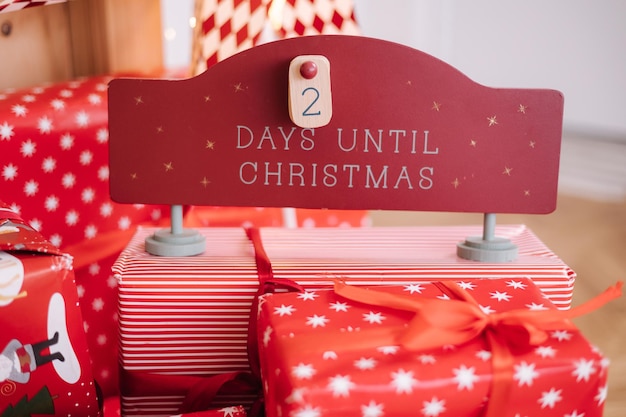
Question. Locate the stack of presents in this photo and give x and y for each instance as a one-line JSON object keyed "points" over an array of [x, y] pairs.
{"points": [[149, 265]]}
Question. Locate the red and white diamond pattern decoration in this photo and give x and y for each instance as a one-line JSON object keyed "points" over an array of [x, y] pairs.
{"points": [[14, 5], [226, 27]]}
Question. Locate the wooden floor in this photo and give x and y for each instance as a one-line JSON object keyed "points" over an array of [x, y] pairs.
{"points": [[590, 237]]}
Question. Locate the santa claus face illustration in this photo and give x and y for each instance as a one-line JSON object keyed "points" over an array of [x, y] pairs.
{"points": [[11, 278]]}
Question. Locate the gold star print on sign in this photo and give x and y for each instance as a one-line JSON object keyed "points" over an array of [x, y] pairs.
{"points": [[473, 143], [507, 171], [522, 108], [210, 144], [456, 183], [532, 144], [133, 176], [238, 87], [207, 98], [159, 129], [492, 120], [138, 100], [527, 193], [168, 166], [205, 182], [436, 106]]}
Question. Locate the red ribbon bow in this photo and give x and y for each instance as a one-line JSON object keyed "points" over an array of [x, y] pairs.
{"points": [[457, 321]]}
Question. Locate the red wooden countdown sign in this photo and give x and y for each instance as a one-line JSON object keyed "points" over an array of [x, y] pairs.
{"points": [[407, 132]]}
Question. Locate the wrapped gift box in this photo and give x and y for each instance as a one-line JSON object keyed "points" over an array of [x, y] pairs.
{"points": [[190, 315], [44, 361], [54, 172], [323, 355]]}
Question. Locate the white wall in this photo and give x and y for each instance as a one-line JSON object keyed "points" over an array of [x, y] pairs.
{"points": [[575, 46]]}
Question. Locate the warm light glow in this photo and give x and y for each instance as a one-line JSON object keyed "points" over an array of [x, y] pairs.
{"points": [[169, 34], [275, 13]]}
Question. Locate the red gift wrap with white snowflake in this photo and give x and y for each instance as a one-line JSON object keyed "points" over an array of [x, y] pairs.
{"points": [[44, 360], [473, 347]]}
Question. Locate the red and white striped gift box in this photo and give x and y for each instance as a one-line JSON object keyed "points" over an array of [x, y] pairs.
{"points": [[189, 315]]}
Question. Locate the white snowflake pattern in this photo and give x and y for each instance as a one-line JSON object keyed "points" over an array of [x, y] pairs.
{"points": [[6, 131], [303, 371], [466, 285], [339, 306], [97, 304], [9, 172], [111, 282], [49, 164], [102, 339], [28, 148], [36, 224], [307, 295], [296, 396], [66, 142], [284, 310], [583, 369], [388, 350], [31, 187], [102, 136], [307, 411], [518, 285], [550, 398], [372, 317], [56, 240], [68, 180], [57, 104], [91, 231], [316, 321], [424, 359], [545, 351], [601, 395], [536, 307], [85, 157], [525, 374], [372, 409], [500, 296], [561, 335], [414, 288], [44, 125], [82, 118], [124, 223], [106, 209], [52, 203], [65, 93], [403, 381], [28, 98], [340, 385], [94, 98], [94, 269], [483, 355], [329, 355], [103, 173], [486, 309], [19, 110], [434, 407], [155, 214], [71, 218], [465, 377], [88, 195], [365, 363]]}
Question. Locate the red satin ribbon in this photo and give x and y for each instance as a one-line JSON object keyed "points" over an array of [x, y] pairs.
{"points": [[267, 284], [443, 322]]}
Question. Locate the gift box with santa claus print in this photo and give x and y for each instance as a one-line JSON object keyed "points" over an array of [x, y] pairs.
{"points": [[44, 361], [461, 348]]}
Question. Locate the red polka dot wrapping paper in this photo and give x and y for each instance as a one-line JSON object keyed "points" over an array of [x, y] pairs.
{"points": [[323, 355]]}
